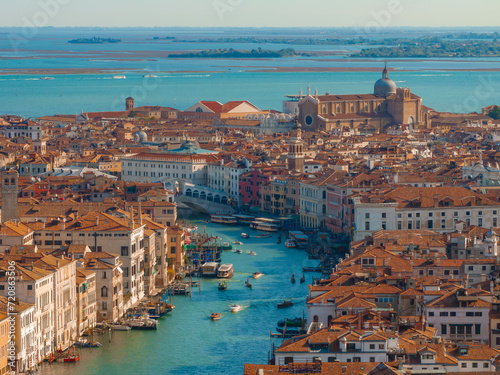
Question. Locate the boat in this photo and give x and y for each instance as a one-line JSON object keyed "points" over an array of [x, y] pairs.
{"points": [[301, 239], [46, 78], [311, 269], [257, 275], [142, 324], [238, 251], [279, 240], [75, 357], [119, 76], [244, 219], [268, 227], [290, 244], [302, 279], [225, 271], [297, 322], [120, 327], [285, 304], [267, 235], [288, 331], [252, 253], [227, 246], [247, 284], [215, 316], [222, 285], [293, 279], [269, 221], [209, 269], [244, 235], [82, 343], [223, 219], [150, 76], [238, 242], [235, 307]]}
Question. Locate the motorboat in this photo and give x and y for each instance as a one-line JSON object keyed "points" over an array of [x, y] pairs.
{"points": [[215, 316], [46, 78], [235, 307], [222, 285], [266, 235], [238, 242], [257, 275], [285, 304], [82, 343], [290, 244], [268, 227], [293, 279], [238, 251], [120, 327], [120, 76], [247, 284], [244, 235], [252, 253], [75, 357]]}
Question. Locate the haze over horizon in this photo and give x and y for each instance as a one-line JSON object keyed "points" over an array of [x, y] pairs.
{"points": [[254, 13]]}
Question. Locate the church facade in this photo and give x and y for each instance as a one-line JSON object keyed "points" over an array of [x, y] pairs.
{"points": [[367, 113]]}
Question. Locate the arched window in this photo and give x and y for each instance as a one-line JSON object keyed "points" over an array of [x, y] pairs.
{"points": [[315, 319], [199, 109], [330, 318], [104, 291]]}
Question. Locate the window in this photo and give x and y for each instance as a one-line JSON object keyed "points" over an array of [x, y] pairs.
{"points": [[430, 214], [104, 305], [367, 215], [124, 251], [104, 291], [400, 216], [172, 249], [464, 365], [474, 365], [455, 213], [372, 359], [444, 329], [384, 215], [400, 225], [480, 222], [477, 329], [469, 313], [443, 214], [104, 274], [30, 287], [486, 365], [443, 313], [381, 346], [453, 313], [372, 346], [467, 213], [431, 313], [409, 215], [367, 225]]}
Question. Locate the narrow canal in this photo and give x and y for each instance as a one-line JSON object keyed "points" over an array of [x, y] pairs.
{"points": [[187, 341]]}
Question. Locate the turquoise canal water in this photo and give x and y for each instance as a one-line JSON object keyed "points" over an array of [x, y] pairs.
{"points": [[187, 341]]}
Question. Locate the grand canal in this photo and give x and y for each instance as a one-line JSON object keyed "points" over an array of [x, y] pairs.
{"points": [[187, 341]]}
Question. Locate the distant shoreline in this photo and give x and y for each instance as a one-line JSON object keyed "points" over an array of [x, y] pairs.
{"points": [[246, 69]]}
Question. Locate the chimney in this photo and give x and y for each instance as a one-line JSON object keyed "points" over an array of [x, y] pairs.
{"points": [[97, 221], [63, 224], [483, 277], [438, 262], [492, 287], [43, 225], [360, 320], [140, 215], [131, 219], [57, 263]]}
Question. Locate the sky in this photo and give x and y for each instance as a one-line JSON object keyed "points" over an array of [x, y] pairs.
{"points": [[253, 13]]}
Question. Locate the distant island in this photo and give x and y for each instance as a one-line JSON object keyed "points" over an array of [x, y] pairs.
{"points": [[94, 40], [237, 54], [435, 47]]}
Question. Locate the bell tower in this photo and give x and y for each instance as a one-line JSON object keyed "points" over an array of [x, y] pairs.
{"points": [[296, 149], [10, 193], [129, 104]]}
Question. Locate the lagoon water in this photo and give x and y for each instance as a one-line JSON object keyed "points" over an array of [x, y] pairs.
{"points": [[187, 341], [451, 84]]}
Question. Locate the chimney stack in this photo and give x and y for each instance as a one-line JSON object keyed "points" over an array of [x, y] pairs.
{"points": [[131, 219], [140, 215]]}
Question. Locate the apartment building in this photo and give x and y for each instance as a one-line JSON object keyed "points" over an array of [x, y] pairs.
{"points": [[86, 301]]}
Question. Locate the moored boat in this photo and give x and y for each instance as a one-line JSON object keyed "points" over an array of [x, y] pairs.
{"points": [[209, 269], [235, 307], [223, 219], [285, 304], [267, 235], [120, 327], [215, 316], [119, 76], [297, 322], [225, 271], [244, 219], [268, 227], [290, 244], [257, 275], [82, 343]]}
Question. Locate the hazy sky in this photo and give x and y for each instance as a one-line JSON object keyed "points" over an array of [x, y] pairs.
{"points": [[331, 13]]}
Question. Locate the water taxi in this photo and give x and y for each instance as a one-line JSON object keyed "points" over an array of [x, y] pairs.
{"points": [[268, 227], [268, 221], [120, 76], [215, 316], [257, 275], [244, 235], [290, 244], [301, 239], [252, 253], [235, 307], [223, 219], [143, 324], [209, 269], [285, 304], [238, 242], [225, 271]]}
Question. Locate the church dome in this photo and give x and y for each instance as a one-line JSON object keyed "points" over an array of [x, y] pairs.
{"points": [[385, 86], [140, 136]]}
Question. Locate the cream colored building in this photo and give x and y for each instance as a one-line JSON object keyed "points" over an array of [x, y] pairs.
{"points": [[86, 312]]}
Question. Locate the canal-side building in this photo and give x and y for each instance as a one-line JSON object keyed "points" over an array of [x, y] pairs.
{"points": [[86, 311]]}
